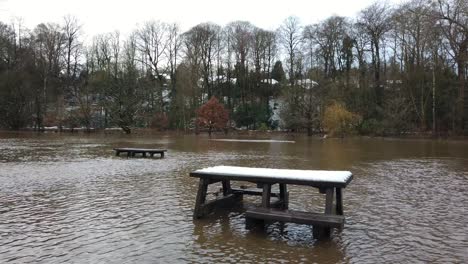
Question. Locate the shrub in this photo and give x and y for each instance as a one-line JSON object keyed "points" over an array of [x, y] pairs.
{"points": [[337, 120], [263, 127]]}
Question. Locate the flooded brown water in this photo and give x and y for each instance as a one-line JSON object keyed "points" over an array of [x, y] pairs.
{"points": [[68, 199]]}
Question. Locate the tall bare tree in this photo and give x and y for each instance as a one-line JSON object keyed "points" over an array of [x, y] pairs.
{"points": [[453, 16], [375, 20], [72, 51], [290, 36], [49, 42], [153, 41], [241, 33]]}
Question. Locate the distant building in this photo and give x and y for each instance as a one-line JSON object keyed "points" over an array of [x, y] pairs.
{"points": [[272, 81]]}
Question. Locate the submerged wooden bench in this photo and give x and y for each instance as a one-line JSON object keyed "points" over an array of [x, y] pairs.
{"points": [[328, 183], [131, 152], [298, 217]]}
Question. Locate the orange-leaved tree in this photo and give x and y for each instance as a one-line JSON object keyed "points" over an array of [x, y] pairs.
{"points": [[212, 115]]}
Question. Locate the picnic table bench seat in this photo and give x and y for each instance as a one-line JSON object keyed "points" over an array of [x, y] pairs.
{"points": [[293, 216]]}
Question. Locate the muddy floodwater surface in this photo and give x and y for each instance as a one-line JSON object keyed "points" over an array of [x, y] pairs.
{"points": [[66, 198]]}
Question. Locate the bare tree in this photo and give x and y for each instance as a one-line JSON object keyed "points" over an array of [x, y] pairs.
{"points": [[328, 37], [415, 32], [240, 38], [172, 53], [17, 75], [290, 36], [71, 59], [192, 45], [153, 41], [270, 53], [206, 36], [49, 42], [453, 16], [375, 21]]}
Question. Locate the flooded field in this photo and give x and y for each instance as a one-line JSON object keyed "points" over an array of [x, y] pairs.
{"points": [[68, 199]]}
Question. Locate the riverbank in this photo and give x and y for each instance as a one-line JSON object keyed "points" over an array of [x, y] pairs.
{"points": [[241, 134]]}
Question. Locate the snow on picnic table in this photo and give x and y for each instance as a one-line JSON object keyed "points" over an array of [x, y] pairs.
{"points": [[301, 175]]}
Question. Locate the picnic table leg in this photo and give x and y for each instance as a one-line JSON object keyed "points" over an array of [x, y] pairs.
{"points": [[129, 154], [284, 195], [201, 198], [144, 154], [226, 187], [162, 154], [151, 154], [318, 231], [266, 195], [329, 200], [117, 153], [339, 201]]}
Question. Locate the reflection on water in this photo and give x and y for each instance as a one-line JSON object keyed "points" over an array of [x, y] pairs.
{"points": [[66, 198]]}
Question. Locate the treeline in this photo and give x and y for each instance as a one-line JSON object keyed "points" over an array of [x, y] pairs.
{"points": [[390, 70]]}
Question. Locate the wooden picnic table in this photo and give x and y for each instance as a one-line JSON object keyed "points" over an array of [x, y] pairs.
{"points": [[329, 183], [131, 152]]}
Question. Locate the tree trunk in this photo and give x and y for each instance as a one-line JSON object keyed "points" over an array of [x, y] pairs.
{"points": [[461, 107], [378, 88], [433, 102], [461, 95]]}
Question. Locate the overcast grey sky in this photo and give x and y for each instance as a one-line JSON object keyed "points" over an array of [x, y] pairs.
{"points": [[100, 16]]}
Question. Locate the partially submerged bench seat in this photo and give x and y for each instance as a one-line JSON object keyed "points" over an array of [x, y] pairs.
{"points": [[253, 191], [298, 217]]}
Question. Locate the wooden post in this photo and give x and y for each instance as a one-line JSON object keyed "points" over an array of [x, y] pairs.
{"points": [[339, 201], [226, 187], [284, 195], [201, 198], [321, 232], [329, 200], [162, 154], [266, 195], [129, 154], [324, 232]]}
